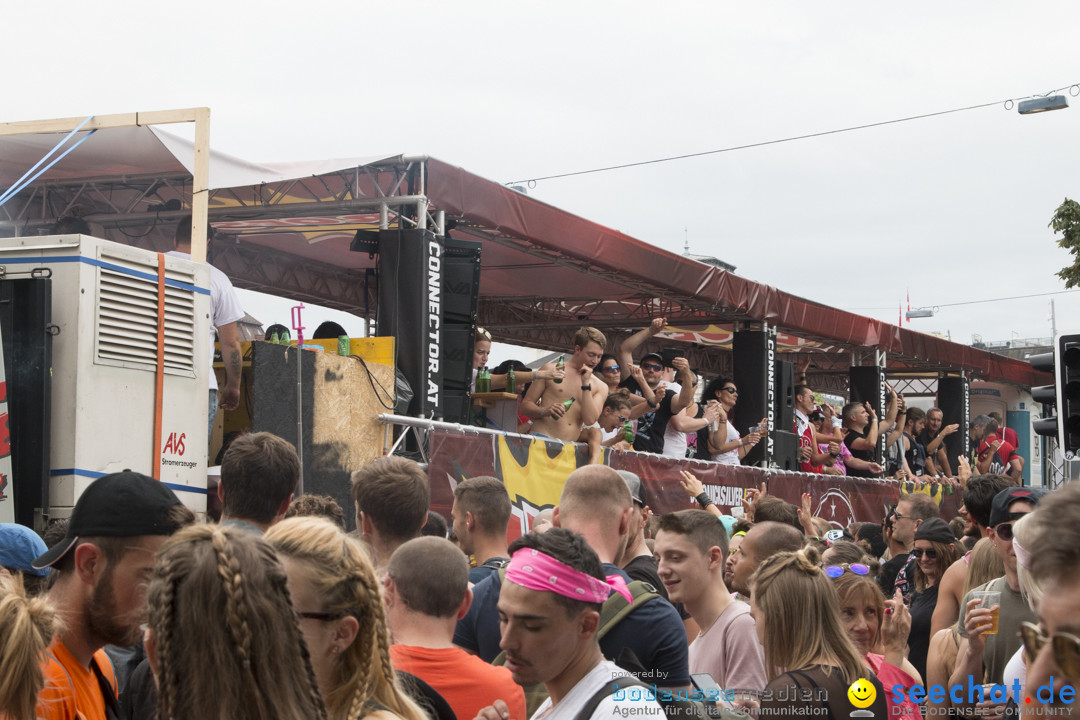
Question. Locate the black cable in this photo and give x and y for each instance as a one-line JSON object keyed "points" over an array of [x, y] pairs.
{"points": [[374, 389], [771, 142]]}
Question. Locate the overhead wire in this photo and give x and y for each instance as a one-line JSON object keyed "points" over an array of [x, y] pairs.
{"points": [[974, 302], [1007, 103]]}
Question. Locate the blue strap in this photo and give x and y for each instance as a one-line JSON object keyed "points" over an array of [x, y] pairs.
{"points": [[23, 181]]}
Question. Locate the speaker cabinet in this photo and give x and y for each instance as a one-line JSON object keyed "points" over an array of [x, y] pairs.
{"points": [[954, 401]]}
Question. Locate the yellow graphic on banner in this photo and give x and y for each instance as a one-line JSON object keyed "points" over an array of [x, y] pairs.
{"points": [[934, 490], [539, 482]]}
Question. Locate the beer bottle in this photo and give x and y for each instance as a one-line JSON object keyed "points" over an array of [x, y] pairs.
{"points": [[567, 403], [560, 365], [511, 381]]}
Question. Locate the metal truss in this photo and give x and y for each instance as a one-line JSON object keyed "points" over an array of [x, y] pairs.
{"points": [[278, 273], [914, 385]]}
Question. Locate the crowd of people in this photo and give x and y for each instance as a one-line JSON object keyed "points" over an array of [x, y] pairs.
{"points": [[134, 609], [656, 406]]}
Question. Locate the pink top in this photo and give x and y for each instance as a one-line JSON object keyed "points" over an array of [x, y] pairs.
{"points": [[890, 675]]}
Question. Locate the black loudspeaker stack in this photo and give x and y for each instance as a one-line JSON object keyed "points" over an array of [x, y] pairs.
{"points": [[766, 389], [428, 294], [955, 403], [867, 383]]}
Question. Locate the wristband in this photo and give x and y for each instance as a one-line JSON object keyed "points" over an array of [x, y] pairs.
{"points": [[703, 500], [652, 403], [534, 375], [586, 387]]}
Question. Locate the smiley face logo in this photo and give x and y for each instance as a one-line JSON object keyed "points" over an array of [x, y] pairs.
{"points": [[862, 693]]}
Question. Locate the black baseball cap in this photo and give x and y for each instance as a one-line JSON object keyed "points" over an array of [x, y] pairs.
{"points": [[637, 488], [655, 356], [935, 530], [123, 504], [999, 510]]}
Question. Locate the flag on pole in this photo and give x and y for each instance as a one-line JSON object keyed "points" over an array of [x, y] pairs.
{"points": [[909, 305]]}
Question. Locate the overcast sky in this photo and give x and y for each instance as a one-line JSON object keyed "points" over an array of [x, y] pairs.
{"points": [[953, 207]]}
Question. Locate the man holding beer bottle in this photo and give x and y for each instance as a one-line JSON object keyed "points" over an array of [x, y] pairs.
{"points": [[560, 408]]}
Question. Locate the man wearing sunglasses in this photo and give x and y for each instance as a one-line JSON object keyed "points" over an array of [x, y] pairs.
{"points": [[653, 425], [981, 655], [1053, 646]]}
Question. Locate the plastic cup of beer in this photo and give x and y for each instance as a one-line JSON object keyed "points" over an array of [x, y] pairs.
{"points": [[990, 599]]}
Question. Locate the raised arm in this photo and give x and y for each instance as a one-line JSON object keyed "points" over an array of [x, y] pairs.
{"points": [[632, 343], [686, 396]]}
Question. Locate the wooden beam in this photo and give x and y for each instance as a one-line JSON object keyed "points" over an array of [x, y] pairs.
{"points": [[99, 122], [200, 184]]}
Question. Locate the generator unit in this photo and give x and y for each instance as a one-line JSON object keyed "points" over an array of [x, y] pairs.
{"points": [[91, 389]]}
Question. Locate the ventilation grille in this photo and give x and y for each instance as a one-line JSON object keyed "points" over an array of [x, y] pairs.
{"points": [[127, 320]]}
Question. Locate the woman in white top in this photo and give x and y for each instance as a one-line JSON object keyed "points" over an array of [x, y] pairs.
{"points": [[725, 444]]}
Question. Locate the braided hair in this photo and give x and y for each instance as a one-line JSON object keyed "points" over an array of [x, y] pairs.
{"points": [[801, 610], [222, 622], [344, 580]]}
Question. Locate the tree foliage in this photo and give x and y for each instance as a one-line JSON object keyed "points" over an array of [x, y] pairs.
{"points": [[1066, 222]]}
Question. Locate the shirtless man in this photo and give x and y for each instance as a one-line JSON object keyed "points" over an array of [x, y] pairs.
{"points": [[544, 401]]}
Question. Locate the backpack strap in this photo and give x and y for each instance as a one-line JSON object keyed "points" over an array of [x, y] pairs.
{"points": [[616, 607], [610, 688]]}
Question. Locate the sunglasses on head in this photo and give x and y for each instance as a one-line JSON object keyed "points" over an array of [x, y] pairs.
{"points": [[1066, 648], [484, 333], [835, 571], [917, 553], [610, 369], [651, 366]]}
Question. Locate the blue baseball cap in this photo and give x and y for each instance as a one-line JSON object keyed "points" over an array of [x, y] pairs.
{"points": [[19, 545]]}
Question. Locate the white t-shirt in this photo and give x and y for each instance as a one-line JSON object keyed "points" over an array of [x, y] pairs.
{"points": [[731, 457], [225, 308], [674, 441], [613, 706]]}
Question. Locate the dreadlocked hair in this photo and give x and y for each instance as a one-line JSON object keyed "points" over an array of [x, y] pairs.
{"points": [[28, 623], [343, 578], [802, 613], [223, 622]]}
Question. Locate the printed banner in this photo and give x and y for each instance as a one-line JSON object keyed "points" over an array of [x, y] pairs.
{"points": [[7, 493], [534, 471]]}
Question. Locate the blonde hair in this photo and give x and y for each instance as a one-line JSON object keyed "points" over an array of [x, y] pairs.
{"points": [[1031, 588], [984, 565], [228, 641], [801, 610], [586, 335], [27, 625], [345, 581]]}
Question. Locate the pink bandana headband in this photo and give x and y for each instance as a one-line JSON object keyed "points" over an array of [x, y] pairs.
{"points": [[534, 570], [1023, 557]]}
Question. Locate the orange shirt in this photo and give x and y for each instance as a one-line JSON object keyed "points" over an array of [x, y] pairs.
{"points": [[71, 690], [465, 681]]}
